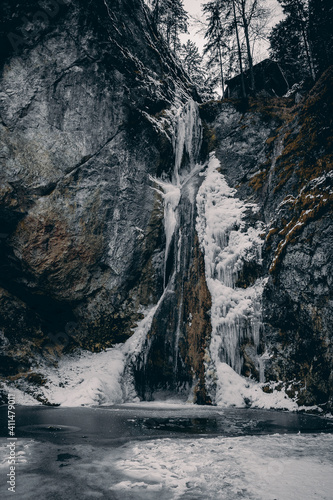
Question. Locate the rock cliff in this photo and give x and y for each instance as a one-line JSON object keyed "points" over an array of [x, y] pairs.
{"points": [[82, 99], [279, 155], [100, 144]]}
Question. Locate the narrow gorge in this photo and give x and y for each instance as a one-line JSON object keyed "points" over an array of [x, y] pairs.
{"points": [[155, 247]]}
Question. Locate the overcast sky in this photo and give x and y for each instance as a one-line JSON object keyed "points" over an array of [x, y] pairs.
{"points": [[193, 7]]}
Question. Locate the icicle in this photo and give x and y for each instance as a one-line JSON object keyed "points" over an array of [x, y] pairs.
{"points": [[261, 361], [187, 137], [227, 242], [171, 197]]}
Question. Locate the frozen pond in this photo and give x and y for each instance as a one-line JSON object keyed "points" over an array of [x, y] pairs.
{"points": [[169, 452]]}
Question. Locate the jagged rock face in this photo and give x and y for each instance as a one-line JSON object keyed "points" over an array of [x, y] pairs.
{"points": [[81, 227], [280, 156], [85, 105]]}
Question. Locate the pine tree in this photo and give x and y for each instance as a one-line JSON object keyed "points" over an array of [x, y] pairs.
{"points": [[232, 24], [192, 62], [286, 47], [171, 19], [191, 59], [217, 34], [297, 13], [321, 33]]}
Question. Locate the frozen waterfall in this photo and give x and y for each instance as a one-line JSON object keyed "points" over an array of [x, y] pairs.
{"points": [[228, 242], [195, 203], [186, 139]]}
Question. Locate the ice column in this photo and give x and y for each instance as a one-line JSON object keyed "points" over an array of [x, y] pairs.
{"points": [[227, 242], [187, 137], [186, 140]]}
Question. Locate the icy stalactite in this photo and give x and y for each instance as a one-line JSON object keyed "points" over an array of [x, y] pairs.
{"points": [[262, 360], [228, 242], [186, 138], [171, 196]]}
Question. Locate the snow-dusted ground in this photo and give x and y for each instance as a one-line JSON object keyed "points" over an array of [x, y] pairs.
{"points": [[98, 379], [274, 467]]}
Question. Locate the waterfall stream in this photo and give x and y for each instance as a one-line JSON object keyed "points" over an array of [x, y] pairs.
{"points": [[206, 325], [202, 202], [186, 141]]}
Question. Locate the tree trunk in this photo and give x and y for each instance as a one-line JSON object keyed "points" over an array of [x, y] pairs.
{"points": [[239, 51], [306, 44], [175, 39], [308, 53], [249, 55], [221, 70]]}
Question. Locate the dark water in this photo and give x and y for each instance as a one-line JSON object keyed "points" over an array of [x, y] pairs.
{"points": [[118, 424]]}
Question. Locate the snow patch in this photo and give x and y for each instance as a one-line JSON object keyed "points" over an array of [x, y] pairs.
{"points": [[235, 390], [85, 378]]}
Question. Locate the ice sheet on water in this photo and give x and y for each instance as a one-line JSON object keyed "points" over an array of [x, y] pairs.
{"points": [[249, 467], [267, 467]]}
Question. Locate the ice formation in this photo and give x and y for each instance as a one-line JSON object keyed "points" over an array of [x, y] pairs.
{"points": [[186, 139], [227, 242]]}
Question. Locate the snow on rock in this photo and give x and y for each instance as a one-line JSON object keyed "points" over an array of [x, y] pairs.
{"points": [[235, 390], [21, 398], [87, 378]]}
